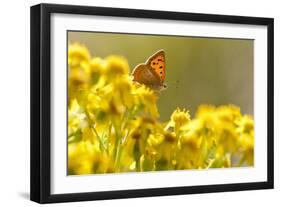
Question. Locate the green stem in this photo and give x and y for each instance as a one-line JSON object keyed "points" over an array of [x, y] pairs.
{"points": [[102, 147], [137, 155], [117, 146], [108, 137], [119, 140]]}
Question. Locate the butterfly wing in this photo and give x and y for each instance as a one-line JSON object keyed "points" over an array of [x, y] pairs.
{"points": [[144, 75], [157, 64]]}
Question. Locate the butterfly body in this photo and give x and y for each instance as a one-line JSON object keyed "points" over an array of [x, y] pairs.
{"points": [[152, 72]]}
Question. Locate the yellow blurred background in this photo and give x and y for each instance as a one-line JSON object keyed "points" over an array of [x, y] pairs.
{"points": [[199, 70]]}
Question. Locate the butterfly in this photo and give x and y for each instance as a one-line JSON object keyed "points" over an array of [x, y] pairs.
{"points": [[152, 72]]}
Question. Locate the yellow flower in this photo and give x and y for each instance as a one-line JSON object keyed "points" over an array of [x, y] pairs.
{"points": [[81, 157], [79, 75], [194, 129], [227, 139], [207, 114], [98, 65], [166, 146], [122, 90], [103, 163], [246, 131], [190, 154], [86, 158], [143, 127], [116, 66], [145, 99], [212, 116], [77, 54], [78, 71], [228, 113], [104, 103], [192, 142], [219, 127], [245, 125], [179, 119], [111, 87]]}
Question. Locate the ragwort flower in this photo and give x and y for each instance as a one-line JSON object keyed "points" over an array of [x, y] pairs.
{"points": [[179, 120]]}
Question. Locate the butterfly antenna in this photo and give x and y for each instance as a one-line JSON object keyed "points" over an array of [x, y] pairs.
{"points": [[174, 83]]}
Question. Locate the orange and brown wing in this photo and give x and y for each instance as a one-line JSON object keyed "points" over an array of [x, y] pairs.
{"points": [[144, 75], [157, 64]]}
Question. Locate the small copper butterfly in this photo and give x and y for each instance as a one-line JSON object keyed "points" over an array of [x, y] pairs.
{"points": [[152, 72]]}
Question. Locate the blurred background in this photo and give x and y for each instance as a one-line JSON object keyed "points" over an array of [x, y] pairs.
{"points": [[199, 70]]}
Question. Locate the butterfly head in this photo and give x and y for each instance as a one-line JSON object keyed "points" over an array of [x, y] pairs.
{"points": [[164, 86], [158, 88]]}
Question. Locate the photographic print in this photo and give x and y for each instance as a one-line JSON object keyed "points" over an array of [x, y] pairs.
{"points": [[142, 103], [132, 103]]}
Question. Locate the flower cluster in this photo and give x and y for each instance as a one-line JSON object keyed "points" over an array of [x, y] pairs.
{"points": [[113, 125]]}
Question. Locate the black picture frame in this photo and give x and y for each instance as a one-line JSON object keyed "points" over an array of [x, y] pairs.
{"points": [[41, 99]]}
